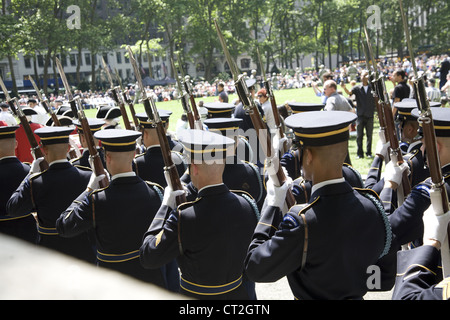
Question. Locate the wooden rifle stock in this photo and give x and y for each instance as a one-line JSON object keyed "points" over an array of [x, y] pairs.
{"points": [[263, 135], [255, 116], [187, 87], [170, 167], [184, 98], [273, 103], [97, 163], [118, 99], [429, 135], [391, 133], [153, 117], [128, 100]]}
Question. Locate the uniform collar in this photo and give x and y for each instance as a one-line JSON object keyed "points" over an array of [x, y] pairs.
{"points": [[327, 186], [414, 145], [212, 189], [62, 161], [122, 175], [8, 157]]}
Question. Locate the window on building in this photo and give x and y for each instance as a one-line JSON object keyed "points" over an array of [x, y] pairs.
{"points": [[245, 63], [40, 60], [73, 59], [119, 57], [87, 59], [200, 67], [27, 62]]}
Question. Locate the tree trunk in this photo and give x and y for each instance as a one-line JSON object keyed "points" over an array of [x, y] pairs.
{"points": [[15, 92]]}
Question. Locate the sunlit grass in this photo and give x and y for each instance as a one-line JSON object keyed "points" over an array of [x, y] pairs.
{"points": [[281, 96]]}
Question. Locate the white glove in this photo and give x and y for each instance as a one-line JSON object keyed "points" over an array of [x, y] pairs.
{"points": [[435, 226], [272, 165], [94, 182], [35, 165], [278, 144], [382, 136], [276, 195], [383, 149], [394, 172], [170, 197]]}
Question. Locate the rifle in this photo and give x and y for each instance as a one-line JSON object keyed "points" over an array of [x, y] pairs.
{"points": [[184, 98], [44, 103], [261, 130], [188, 89], [429, 135], [117, 97], [271, 96], [372, 77], [73, 104], [128, 100], [97, 163], [390, 132], [153, 117], [18, 112]]}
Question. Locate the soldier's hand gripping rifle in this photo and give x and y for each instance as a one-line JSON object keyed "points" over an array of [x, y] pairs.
{"points": [[184, 98], [154, 118], [73, 104], [117, 97], [94, 155], [187, 87], [48, 109], [438, 191], [18, 112], [279, 177], [273, 103], [390, 131]]}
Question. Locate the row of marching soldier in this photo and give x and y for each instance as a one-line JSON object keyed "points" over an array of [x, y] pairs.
{"points": [[232, 224], [235, 229]]}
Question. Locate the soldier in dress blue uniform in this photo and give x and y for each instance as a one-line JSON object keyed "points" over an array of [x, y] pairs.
{"points": [[150, 165], [51, 191], [325, 247], [406, 220], [12, 172], [238, 174], [119, 214], [419, 276], [209, 236], [410, 144], [95, 125], [219, 109], [292, 163]]}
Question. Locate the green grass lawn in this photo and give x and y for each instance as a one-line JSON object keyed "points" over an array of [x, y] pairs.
{"points": [[281, 96]]}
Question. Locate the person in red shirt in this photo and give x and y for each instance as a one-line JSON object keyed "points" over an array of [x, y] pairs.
{"points": [[23, 149]]}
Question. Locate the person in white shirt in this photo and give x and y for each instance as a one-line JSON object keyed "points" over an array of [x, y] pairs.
{"points": [[433, 93], [41, 117], [6, 116]]}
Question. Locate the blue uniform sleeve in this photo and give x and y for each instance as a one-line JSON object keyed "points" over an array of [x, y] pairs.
{"points": [[21, 201], [160, 243], [276, 248], [77, 218]]}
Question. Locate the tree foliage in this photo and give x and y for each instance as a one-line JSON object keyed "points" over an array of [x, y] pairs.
{"points": [[284, 30]]}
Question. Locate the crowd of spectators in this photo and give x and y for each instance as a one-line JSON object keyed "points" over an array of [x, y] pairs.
{"points": [[434, 68]]}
